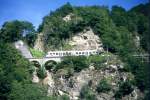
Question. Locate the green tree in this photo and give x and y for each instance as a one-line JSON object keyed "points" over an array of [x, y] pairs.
{"points": [[15, 30], [103, 86], [27, 91]]}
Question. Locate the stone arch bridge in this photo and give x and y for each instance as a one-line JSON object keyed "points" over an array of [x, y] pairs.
{"points": [[42, 61], [57, 56], [53, 55]]}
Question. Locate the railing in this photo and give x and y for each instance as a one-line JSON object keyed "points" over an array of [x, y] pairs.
{"points": [[72, 53]]}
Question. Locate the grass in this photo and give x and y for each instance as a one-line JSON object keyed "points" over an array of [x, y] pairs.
{"points": [[36, 53]]}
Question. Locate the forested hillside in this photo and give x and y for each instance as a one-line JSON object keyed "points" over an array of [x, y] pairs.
{"points": [[117, 28], [123, 34]]}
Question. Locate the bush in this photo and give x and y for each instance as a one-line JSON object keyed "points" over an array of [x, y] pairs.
{"points": [[50, 65], [36, 53], [125, 88], [41, 72], [76, 62], [97, 60], [87, 94], [63, 97], [103, 86]]}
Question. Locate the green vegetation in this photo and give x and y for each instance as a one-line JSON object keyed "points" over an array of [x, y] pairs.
{"points": [[87, 94], [21, 91], [103, 86], [76, 62], [41, 72], [50, 65], [125, 88], [36, 53], [116, 28], [15, 76], [97, 60], [16, 30]]}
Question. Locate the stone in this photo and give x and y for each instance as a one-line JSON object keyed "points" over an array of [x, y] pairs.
{"points": [[35, 78], [86, 40], [39, 43]]}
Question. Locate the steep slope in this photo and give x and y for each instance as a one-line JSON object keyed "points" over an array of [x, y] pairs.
{"points": [[118, 31]]}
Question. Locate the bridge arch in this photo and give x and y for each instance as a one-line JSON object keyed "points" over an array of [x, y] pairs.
{"points": [[36, 63], [50, 64]]}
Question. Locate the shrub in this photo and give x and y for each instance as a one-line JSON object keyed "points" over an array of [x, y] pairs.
{"points": [[97, 60], [103, 86], [41, 72], [76, 62], [50, 65], [87, 94], [63, 97], [125, 88], [36, 53]]}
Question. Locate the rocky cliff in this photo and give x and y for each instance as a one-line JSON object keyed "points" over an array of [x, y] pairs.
{"points": [[111, 70], [86, 40]]}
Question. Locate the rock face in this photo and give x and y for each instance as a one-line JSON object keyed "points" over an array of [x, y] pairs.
{"points": [[71, 86], [68, 17], [86, 40], [39, 43], [35, 78], [137, 41]]}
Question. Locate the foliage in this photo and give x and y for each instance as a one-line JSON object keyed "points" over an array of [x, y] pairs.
{"points": [[63, 97], [50, 65], [87, 94], [139, 70], [13, 67], [103, 86], [116, 28], [125, 88], [76, 62], [21, 91], [30, 39], [15, 30], [41, 72], [97, 60], [36, 53]]}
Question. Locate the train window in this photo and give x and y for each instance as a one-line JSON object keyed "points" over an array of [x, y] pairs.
{"points": [[76, 52], [82, 52], [64, 53], [69, 53], [53, 53], [79, 52], [56, 53]]}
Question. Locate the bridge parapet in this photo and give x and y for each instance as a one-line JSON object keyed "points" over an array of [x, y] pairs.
{"points": [[72, 53], [58, 55]]}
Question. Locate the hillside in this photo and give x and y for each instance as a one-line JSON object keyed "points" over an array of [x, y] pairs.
{"points": [[114, 74], [119, 31]]}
